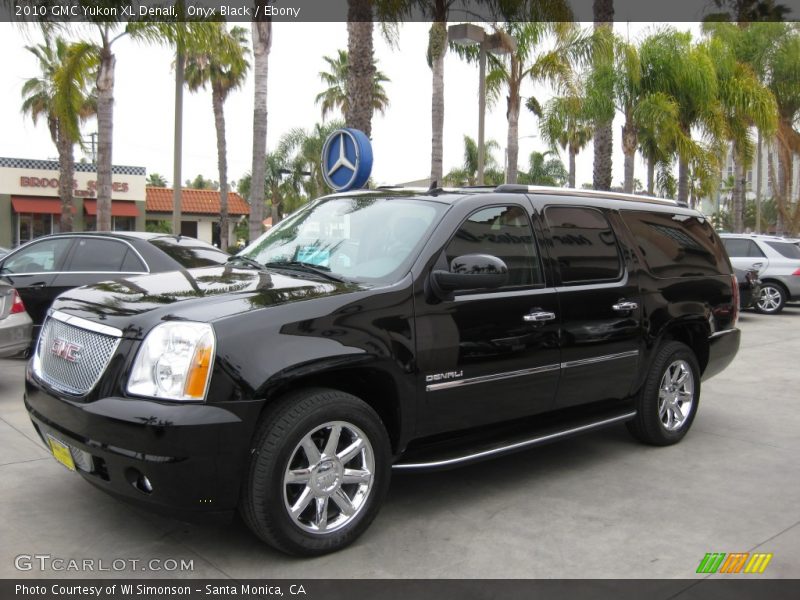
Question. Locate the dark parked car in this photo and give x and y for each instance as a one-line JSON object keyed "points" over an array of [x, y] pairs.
{"points": [[15, 324], [52, 264], [380, 330], [749, 287]]}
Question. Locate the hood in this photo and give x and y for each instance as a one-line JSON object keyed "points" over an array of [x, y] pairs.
{"points": [[135, 304]]}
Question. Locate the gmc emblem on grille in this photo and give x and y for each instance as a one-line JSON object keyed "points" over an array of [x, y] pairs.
{"points": [[66, 350]]}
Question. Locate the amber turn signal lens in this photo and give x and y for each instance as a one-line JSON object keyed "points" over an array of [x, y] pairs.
{"points": [[198, 373]]}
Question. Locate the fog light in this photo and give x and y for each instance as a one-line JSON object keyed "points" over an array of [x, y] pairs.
{"points": [[138, 480]]}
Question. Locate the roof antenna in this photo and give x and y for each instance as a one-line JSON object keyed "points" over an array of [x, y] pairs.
{"points": [[434, 188]]}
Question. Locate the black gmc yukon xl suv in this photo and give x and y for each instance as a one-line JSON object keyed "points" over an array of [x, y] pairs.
{"points": [[382, 330]]}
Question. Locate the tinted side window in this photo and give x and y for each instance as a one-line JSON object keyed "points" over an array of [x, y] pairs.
{"points": [[98, 255], [190, 253], [132, 263], [786, 249], [40, 257], [504, 232], [583, 244], [742, 248], [676, 245]]}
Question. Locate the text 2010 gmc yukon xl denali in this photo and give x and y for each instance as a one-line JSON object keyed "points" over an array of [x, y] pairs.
{"points": [[382, 330]]}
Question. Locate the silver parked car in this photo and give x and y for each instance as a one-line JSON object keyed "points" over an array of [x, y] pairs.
{"points": [[16, 326], [777, 260]]}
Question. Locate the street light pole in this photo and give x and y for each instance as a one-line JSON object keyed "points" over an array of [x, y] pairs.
{"points": [[468, 34], [481, 112]]}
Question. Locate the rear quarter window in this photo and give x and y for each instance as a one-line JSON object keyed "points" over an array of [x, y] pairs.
{"points": [[190, 253], [675, 245], [786, 249]]}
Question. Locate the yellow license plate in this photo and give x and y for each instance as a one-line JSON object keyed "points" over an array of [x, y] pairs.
{"points": [[61, 452]]}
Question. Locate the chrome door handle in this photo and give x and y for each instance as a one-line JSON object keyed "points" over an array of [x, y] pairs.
{"points": [[757, 266], [539, 317], [625, 306]]}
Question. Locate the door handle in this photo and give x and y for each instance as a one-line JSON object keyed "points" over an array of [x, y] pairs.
{"points": [[757, 266], [625, 306], [37, 285], [539, 317]]}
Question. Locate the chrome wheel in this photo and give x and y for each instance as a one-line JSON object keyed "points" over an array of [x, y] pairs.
{"points": [[770, 300], [329, 477], [676, 395]]}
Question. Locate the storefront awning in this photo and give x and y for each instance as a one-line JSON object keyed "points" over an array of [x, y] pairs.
{"points": [[42, 206], [119, 208]]}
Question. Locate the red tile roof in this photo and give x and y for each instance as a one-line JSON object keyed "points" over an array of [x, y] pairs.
{"points": [[198, 202]]}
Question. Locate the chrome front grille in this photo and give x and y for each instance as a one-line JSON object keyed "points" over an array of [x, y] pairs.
{"points": [[72, 353]]}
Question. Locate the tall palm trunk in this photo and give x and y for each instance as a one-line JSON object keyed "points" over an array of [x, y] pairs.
{"points": [[514, 101], [629, 141], [438, 48], [218, 101], [66, 167], [683, 180], [572, 154], [651, 176], [105, 134], [603, 13], [759, 179], [360, 76], [738, 192], [262, 40]]}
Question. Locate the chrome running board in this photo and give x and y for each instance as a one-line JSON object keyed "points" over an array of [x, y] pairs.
{"points": [[443, 462]]}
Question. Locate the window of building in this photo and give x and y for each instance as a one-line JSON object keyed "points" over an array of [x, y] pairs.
{"points": [[504, 232], [583, 244], [33, 225]]}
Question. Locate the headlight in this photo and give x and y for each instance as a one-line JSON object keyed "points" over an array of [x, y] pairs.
{"points": [[174, 362]]}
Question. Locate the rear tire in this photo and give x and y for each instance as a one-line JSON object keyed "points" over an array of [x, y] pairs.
{"points": [[667, 403], [319, 472], [772, 299]]}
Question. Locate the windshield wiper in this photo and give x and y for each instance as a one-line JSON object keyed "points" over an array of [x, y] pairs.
{"points": [[296, 265], [247, 260]]}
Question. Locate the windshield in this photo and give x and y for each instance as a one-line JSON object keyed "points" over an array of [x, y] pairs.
{"points": [[359, 238]]}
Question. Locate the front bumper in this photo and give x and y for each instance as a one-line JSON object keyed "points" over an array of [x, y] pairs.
{"points": [[722, 349], [192, 455]]}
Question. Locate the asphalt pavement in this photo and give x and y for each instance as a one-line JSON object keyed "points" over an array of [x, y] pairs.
{"points": [[598, 506]]}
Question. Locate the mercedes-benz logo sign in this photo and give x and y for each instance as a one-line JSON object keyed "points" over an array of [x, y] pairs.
{"points": [[346, 159]]}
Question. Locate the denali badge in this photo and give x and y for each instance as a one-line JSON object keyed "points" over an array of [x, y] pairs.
{"points": [[66, 350], [441, 376]]}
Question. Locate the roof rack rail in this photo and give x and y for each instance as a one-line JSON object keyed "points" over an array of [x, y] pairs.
{"points": [[516, 188]]}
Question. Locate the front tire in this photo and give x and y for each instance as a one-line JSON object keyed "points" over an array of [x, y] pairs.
{"points": [[319, 472], [772, 299], [667, 404]]}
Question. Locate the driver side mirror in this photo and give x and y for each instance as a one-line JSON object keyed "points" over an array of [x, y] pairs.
{"points": [[469, 272]]}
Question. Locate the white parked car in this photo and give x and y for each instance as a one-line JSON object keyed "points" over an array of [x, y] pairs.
{"points": [[16, 326], [777, 261]]}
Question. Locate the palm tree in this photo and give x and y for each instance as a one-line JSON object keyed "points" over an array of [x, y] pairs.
{"points": [[63, 108], [98, 58], [361, 71], [565, 122], [746, 103], [261, 32], [530, 61], [303, 152], [544, 171], [156, 180], [224, 74], [603, 12], [467, 174], [783, 66], [334, 96], [437, 48], [684, 72]]}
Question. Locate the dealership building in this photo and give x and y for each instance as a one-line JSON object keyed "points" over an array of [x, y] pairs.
{"points": [[30, 206]]}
